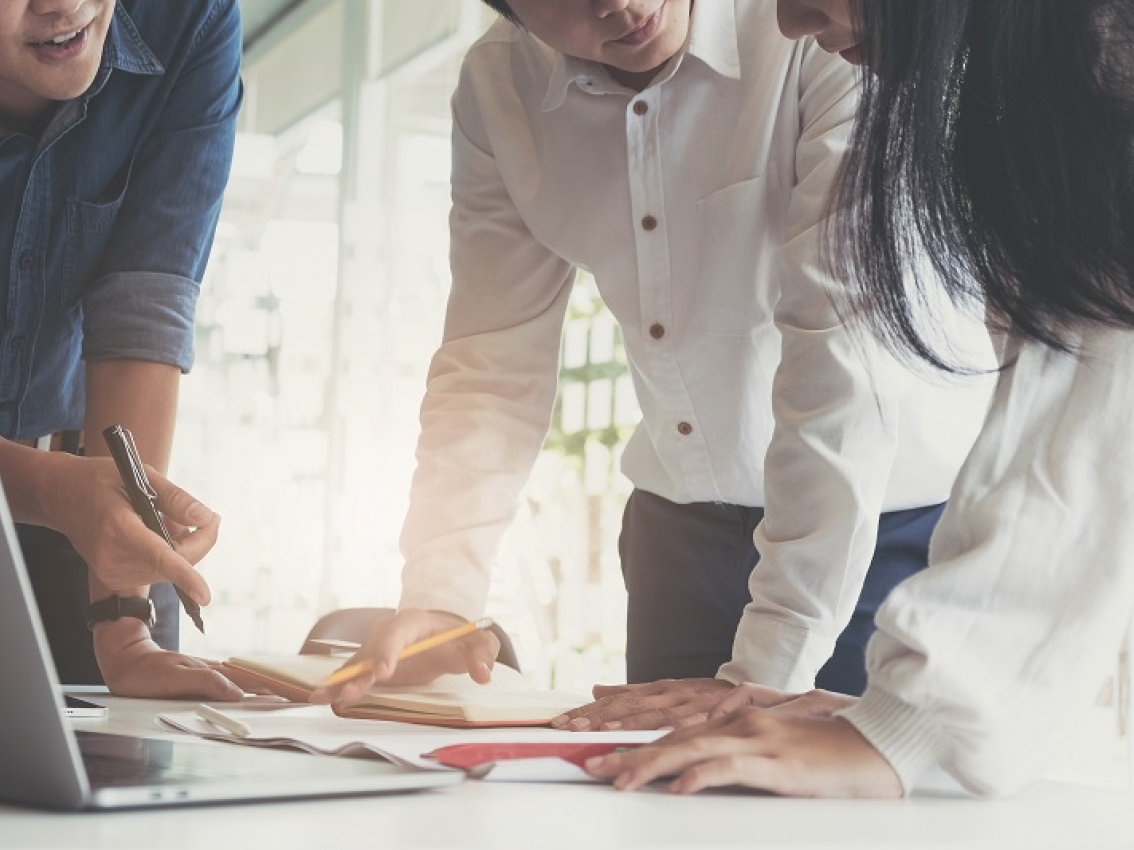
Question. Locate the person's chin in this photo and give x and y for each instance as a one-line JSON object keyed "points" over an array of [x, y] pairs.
{"points": [[650, 57], [74, 85]]}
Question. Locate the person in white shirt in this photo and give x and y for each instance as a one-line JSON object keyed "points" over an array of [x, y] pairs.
{"points": [[683, 156], [1005, 133]]}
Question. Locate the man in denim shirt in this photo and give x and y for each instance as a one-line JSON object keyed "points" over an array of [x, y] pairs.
{"points": [[116, 133]]}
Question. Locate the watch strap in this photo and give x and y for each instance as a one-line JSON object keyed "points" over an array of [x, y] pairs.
{"points": [[117, 607]]}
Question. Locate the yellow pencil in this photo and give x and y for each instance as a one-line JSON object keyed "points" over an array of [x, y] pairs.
{"points": [[353, 671]]}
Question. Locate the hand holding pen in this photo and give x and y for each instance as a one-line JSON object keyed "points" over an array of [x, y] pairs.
{"points": [[144, 498], [414, 647]]}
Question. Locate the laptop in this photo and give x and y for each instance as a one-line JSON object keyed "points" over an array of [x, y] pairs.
{"points": [[44, 762]]}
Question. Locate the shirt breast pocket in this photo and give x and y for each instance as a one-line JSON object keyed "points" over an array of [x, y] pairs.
{"points": [[90, 225], [738, 232]]}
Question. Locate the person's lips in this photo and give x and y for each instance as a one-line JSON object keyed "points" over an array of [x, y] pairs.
{"points": [[61, 32], [63, 44], [643, 31]]}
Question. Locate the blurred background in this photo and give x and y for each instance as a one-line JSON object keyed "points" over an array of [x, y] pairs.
{"points": [[324, 301]]}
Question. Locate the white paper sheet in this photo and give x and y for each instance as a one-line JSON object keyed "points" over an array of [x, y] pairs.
{"points": [[316, 729]]}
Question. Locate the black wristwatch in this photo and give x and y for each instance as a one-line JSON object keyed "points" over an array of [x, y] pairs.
{"points": [[117, 607]]}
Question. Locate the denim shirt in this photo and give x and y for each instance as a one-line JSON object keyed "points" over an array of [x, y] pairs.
{"points": [[107, 218]]}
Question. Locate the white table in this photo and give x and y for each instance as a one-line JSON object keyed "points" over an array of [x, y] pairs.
{"points": [[540, 817]]}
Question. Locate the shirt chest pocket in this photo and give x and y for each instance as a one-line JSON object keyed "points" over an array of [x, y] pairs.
{"points": [[90, 225], [738, 233]]}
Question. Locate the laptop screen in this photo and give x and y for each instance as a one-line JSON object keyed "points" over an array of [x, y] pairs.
{"points": [[43, 764], [39, 759]]}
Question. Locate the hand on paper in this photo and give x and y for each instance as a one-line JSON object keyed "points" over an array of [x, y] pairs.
{"points": [[669, 703], [474, 653], [134, 666], [89, 506], [760, 749]]}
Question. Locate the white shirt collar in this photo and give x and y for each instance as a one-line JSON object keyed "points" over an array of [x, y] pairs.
{"points": [[712, 39]]}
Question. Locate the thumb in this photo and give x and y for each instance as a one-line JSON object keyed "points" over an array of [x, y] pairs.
{"points": [[600, 691], [200, 683], [746, 695], [177, 504]]}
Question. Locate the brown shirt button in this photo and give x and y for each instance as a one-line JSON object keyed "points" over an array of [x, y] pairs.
{"points": [[684, 429], [657, 331], [641, 107], [649, 223]]}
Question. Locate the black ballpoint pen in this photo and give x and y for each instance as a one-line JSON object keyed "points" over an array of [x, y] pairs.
{"points": [[143, 498]]}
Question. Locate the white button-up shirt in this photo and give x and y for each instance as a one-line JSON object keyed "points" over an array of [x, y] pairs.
{"points": [[697, 205]]}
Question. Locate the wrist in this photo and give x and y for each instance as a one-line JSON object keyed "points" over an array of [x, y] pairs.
{"points": [[112, 636], [456, 619], [116, 607], [909, 738]]}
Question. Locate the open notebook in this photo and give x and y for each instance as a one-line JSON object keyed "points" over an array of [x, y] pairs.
{"points": [[451, 700]]}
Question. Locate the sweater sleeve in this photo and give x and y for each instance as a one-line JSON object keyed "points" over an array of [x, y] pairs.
{"points": [[983, 658]]}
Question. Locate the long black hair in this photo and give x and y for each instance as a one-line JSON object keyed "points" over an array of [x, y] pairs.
{"points": [[504, 9], [995, 138]]}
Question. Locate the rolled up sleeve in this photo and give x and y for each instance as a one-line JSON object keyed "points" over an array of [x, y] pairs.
{"points": [[141, 316], [142, 302]]}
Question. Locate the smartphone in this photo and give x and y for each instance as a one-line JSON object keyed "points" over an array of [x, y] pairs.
{"points": [[75, 707]]}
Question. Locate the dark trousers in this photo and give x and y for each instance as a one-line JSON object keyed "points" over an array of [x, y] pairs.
{"points": [[686, 569], [59, 579]]}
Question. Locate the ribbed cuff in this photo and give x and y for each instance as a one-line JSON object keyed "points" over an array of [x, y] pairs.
{"points": [[906, 737]]}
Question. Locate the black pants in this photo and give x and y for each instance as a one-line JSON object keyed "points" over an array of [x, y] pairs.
{"points": [[686, 569], [59, 579]]}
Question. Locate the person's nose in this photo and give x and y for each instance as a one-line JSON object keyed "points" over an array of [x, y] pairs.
{"points": [[603, 8], [799, 18], [62, 8]]}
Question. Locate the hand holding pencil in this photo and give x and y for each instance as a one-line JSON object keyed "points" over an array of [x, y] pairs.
{"points": [[357, 669], [414, 647]]}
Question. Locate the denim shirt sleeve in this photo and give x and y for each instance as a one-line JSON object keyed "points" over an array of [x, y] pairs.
{"points": [[141, 306]]}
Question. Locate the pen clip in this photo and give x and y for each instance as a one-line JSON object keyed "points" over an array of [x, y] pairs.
{"points": [[141, 493], [136, 467]]}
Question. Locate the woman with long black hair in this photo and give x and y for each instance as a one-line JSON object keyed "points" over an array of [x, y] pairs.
{"points": [[995, 140]]}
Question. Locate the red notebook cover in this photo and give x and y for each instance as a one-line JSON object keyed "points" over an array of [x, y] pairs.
{"points": [[471, 756]]}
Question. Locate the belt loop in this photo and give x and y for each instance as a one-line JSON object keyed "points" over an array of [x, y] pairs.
{"points": [[71, 442]]}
